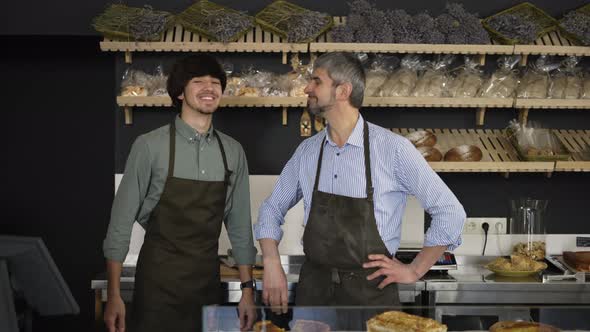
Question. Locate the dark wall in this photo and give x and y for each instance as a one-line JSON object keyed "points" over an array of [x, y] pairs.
{"points": [[63, 137]]}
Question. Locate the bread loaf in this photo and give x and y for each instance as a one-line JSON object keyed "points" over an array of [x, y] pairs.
{"points": [[464, 153], [422, 138], [514, 326], [430, 154], [396, 321]]}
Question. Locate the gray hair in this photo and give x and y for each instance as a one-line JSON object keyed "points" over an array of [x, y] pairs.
{"points": [[345, 67]]}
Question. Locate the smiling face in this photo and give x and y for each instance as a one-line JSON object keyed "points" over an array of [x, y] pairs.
{"points": [[321, 92], [201, 94]]}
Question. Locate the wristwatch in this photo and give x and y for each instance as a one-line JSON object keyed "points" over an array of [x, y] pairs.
{"points": [[248, 284]]}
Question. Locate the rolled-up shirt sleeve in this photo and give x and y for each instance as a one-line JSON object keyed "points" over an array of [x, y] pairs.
{"points": [[418, 179], [286, 193], [128, 200]]}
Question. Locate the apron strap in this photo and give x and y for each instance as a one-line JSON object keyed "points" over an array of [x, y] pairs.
{"points": [[228, 173], [367, 161], [172, 149], [367, 153]]}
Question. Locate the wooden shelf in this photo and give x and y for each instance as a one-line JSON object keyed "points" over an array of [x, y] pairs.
{"points": [[499, 156], [552, 103], [437, 102], [553, 43], [577, 142], [226, 101]]}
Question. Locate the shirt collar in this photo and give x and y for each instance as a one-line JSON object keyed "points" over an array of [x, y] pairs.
{"points": [[188, 132], [355, 138]]}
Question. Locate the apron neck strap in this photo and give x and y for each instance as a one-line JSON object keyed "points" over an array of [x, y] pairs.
{"points": [[227, 171], [172, 149], [367, 153]]}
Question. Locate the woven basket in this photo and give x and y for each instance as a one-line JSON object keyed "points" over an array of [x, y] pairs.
{"points": [[266, 20], [187, 19], [119, 30], [572, 37], [546, 22]]}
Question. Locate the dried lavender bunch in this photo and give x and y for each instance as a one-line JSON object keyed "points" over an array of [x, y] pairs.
{"points": [[343, 34], [518, 27], [426, 30], [225, 25], [148, 24], [402, 26], [305, 25], [577, 24], [465, 28]]}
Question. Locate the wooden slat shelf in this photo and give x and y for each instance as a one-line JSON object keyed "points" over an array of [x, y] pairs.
{"points": [[437, 102], [226, 101], [178, 39], [577, 142], [553, 103], [499, 156], [553, 43], [302, 101]]}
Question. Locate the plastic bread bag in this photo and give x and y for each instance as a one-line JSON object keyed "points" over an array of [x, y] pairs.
{"points": [[535, 81], [466, 81], [134, 83], [278, 87], [157, 82], [381, 68], [586, 87], [402, 82], [533, 140], [433, 82], [297, 79], [503, 82], [566, 83]]}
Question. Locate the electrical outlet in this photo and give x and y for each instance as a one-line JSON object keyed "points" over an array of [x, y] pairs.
{"points": [[473, 226]]}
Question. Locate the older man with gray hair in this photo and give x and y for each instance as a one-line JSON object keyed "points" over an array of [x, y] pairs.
{"points": [[354, 178]]}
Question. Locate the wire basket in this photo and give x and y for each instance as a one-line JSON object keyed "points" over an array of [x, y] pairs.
{"points": [[573, 37], [275, 18], [197, 19], [525, 9], [115, 22]]}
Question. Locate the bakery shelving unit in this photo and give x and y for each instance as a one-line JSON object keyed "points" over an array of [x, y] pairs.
{"points": [[499, 155]]}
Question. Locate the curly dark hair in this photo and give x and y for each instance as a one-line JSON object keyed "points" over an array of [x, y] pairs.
{"points": [[184, 70]]}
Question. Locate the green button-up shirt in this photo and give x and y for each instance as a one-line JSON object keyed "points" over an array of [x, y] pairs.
{"points": [[198, 157]]}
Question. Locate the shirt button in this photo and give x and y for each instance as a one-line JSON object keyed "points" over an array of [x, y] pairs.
{"points": [[335, 176], [202, 171], [338, 153]]}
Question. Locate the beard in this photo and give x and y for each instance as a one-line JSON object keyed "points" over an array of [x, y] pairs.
{"points": [[319, 109]]}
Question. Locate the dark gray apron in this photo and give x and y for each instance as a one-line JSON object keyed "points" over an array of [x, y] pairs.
{"points": [[178, 265], [340, 233]]}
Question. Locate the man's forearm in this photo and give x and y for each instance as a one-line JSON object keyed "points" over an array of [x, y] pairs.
{"points": [[270, 251], [114, 269], [426, 258]]}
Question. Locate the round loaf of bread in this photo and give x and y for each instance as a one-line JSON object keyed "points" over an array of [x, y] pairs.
{"points": [[514, 326], [464, 153], [429, 153], [422, 138]]}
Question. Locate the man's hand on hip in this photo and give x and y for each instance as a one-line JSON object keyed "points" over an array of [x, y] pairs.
{"points": [[392, 269]]}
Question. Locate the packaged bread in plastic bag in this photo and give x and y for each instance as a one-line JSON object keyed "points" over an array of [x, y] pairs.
{"points": [[535, 81], [503, 82], [467, 80], [134, 83], [433, 82], [402, 82], [298, 78], [566, 82], [157, 83], [586, 87], [381, 68]]}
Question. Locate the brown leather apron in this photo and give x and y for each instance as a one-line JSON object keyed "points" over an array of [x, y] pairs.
{"points": [[178, 265], [340, 233]]}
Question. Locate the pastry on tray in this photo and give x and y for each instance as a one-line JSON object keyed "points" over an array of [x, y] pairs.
{"points": [[397, 321], [514, 326]]}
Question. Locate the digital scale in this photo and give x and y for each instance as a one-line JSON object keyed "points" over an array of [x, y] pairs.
{"points": [[445, 263]]}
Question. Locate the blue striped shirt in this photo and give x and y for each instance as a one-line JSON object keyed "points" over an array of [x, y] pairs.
{"points": [[397, 170]]}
